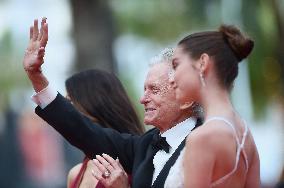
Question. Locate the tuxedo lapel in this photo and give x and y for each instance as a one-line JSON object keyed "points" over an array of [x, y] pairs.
{"points": [[161, 178], [144, 173], [143, 165]]}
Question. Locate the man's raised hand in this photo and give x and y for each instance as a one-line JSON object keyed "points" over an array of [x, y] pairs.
{"points": [[34, 54], [35, 51]]}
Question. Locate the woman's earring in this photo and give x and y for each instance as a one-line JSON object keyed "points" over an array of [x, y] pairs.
{"points": [[202, 79]]}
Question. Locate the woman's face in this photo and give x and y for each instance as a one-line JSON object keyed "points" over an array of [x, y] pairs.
{"points": [[186, 77]]}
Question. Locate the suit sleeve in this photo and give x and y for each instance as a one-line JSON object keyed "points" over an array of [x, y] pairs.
{"points": [[91, 138]]}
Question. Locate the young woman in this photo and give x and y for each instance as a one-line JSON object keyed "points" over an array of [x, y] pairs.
{"points": [[101, 97], [222, 152]]}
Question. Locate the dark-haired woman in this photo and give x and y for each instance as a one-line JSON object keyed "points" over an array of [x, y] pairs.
{"points": [[222, 152], [101, 97]]}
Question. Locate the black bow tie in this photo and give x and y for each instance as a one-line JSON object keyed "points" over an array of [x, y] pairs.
{"points": [[160, 143]]}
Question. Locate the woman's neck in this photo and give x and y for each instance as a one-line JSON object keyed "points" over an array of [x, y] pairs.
{"points": [[216, 102]]}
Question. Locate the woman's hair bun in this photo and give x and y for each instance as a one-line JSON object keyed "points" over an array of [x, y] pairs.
{"points": [[240, 44]]}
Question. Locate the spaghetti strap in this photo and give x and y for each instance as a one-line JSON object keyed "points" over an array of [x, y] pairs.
{"points": [[240, 148], [243, 143], [227, 122]]}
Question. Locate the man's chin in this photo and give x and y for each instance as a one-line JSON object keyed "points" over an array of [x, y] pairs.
{"points": [[148, 122]]}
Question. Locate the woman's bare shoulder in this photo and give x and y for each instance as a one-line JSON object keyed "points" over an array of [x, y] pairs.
{"points": [[211, 134]]}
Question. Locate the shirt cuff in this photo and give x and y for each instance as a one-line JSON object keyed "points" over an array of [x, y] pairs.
{"points": [[44, 97]]}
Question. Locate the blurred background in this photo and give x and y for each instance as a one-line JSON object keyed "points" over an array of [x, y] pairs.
{"points": [[121, 36]]}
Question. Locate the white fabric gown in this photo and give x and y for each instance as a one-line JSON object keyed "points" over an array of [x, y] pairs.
{"points": [[176, 174]]}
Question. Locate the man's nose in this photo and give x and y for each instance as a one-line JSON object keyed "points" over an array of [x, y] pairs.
{"points": [[143, 99], [172, 82]]}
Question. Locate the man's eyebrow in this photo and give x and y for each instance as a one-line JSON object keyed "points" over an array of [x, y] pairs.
{"points": [[153, 86]]}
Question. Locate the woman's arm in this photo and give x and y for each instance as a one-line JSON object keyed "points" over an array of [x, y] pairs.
{"points": [[199, 160], [253, 175], [72, 174]]}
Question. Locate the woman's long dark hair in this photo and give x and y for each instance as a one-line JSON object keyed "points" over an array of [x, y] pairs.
{"points": [[100, 95]]}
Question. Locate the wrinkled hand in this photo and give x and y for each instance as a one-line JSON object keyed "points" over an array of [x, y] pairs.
{"points": [[117, 176], [33, 58]]}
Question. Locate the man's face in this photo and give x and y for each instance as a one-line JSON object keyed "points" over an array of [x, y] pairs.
{"points": [[161, 108]]}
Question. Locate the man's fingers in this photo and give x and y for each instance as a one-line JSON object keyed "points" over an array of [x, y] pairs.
{"points": [[40, 56], [41, 28], [44, 38], [41, 52], [35, 30], [31, 32]]}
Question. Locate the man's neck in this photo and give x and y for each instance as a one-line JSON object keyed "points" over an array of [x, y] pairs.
{"points": [[165, 128]]}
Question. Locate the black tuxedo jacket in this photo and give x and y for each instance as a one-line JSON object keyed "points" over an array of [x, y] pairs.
{"points": [[93, 140]]}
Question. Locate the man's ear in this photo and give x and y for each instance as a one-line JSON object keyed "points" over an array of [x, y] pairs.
{"points": [[204, 63], [186, 105]]}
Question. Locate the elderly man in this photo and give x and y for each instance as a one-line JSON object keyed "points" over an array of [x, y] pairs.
{"points": [[148, 158]]}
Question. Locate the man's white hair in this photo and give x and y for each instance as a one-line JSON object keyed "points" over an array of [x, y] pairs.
{"points": [[165, 56]]}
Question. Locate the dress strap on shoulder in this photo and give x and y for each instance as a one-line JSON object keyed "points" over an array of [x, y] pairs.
{"points": [[227, 122], [244, 134], [243, 143], [240, 148]]}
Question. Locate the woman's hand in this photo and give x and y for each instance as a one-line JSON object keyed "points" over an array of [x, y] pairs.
{"points": [[34, 54], [111, 174]]}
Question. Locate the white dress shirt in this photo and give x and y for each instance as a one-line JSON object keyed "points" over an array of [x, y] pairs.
{"points": [[44, 97], [174, 137]]}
